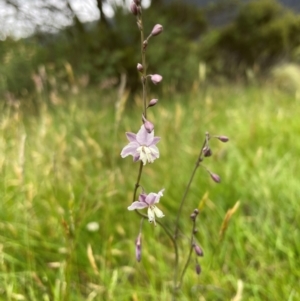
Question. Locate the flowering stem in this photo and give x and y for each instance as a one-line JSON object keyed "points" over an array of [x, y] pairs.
{"points": [[137, 184], [197, 164], [143, 53], [189, 256]]}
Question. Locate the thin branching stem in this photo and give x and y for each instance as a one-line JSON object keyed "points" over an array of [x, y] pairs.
{"points": [[189, 256], [197, 164]]}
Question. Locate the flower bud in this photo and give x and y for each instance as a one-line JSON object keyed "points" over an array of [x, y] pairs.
{"points": [[138, 248], [198, 250], [196, 211], [157, 29], [198, 269], [207, 151], [137, 2], [152, 102], [156, 78], [148, 125], [215, 177], [134, 9], [193, 216], [223, 138], [140, 67], [145, 44]]}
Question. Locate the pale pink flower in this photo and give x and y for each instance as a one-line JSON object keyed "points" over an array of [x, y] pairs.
{"points": [[149, 201], [141, 146]]}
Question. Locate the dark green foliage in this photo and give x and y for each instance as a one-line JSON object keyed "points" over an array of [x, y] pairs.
{"points": [[263, 33]]}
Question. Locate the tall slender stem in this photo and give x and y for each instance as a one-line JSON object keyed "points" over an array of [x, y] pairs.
{"points": [[197, 164]]}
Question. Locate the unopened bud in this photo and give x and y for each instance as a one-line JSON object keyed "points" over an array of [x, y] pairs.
{"points": [[152, 102], [148, 125], [156, 78], [134, 9], [207, 151], [198, 269], [157, 29], [223, 138], [215, 177], [137, 2], [196, 211], [193, 216], [198, 250], [140, 67], [138, 248]]}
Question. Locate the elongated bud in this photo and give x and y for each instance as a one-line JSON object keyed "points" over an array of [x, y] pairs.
{"points": [[198, 269], [152, 102], [207, 151], [134, 9], [156, 78], [140, 67], [148, 125], [215, 177], [198, 250], [138, 248], [223, 138], [157, 29]]}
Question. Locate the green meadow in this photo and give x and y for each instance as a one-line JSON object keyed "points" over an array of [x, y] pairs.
{"points": [[66, 233]]}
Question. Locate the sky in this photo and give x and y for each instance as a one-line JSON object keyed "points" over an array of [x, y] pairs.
{"points": [[22, 23]]}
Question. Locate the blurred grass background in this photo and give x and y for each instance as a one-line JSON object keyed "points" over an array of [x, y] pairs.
{"points": [[67, 100], [61, 170]]}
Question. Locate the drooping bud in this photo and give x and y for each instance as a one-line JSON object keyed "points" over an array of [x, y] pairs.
{"points": [[198, 250], [149, 126], [198, 268], [156, 78], [152, 102], [157, 29], [134, 9], [215, 177], [207, 151], [138, 248], [223, 138], [140, 67]]}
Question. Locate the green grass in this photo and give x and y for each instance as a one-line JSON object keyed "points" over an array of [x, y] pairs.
{"points": [[61, 169]]}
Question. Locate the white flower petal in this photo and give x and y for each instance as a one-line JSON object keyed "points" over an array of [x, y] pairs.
{"points": [[158, 212], [151, 215]]}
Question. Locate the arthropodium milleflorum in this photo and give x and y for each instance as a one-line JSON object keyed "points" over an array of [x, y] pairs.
{"points": [[142, 147]]}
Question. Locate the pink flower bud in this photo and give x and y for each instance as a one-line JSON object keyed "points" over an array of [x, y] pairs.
{"points": [[138, 248], [156, 78], [198, 269], [215, 177], [223, 138], [152, 102], [134, 9], [140, 67], [148, 125], [198, 250], [157, 29]]}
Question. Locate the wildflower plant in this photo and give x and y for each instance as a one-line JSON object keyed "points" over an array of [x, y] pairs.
{"points": [[143, 148]]}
